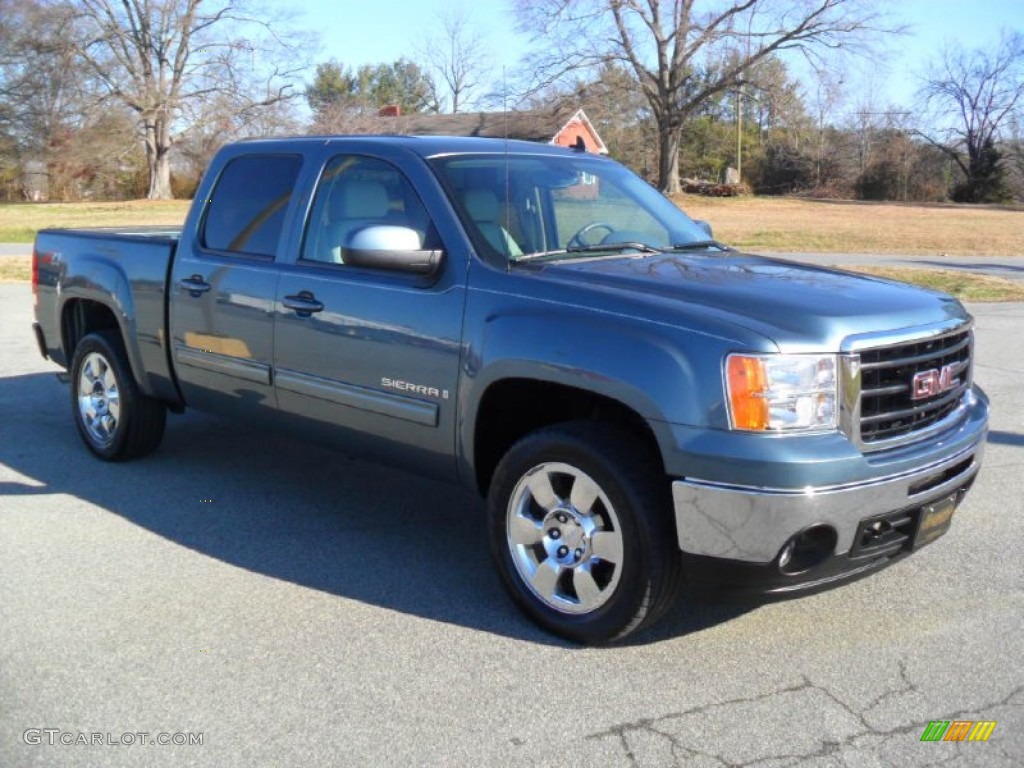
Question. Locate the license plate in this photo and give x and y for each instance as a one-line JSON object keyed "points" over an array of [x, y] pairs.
{"points": [[935, 521]]}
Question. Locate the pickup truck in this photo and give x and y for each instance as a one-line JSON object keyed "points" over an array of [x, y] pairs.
{"points": [[642, 407]]}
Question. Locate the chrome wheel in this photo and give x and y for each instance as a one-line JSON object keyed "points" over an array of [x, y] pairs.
{"points": [[565, 538], [99, 401]]}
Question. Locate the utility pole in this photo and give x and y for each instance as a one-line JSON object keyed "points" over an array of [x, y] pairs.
{"points": [[739, 133]]}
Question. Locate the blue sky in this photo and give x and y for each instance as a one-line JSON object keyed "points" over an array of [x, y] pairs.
{"points": [[366, 32]]}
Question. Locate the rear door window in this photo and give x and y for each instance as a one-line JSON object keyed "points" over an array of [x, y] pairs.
{"points": [[247, 209]]}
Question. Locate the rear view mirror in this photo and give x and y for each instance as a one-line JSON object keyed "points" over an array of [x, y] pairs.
{"points": [[706, 226], [399, 249], [557, 178]]}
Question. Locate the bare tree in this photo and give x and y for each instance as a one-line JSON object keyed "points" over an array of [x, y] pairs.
{"points": [[975, 93], [40, 89], [683, 56], [457, 59], [1015, 154], [44, 97], [224, 117], [157, 56]]}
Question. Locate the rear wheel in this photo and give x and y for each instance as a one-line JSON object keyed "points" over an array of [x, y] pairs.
{"points": [[114, 419], [581, 532]]}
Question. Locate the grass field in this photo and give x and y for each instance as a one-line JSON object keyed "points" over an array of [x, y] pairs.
{"points": [[758, 223], [16, 269], [798, 225], [966, 286], [20, 222]]}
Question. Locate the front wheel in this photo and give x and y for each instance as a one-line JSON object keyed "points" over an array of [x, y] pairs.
{"points": [[581, 532], [114, 419]]}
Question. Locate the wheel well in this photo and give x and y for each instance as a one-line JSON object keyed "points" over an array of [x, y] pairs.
{"points": [[512, 408], [81, 317]]}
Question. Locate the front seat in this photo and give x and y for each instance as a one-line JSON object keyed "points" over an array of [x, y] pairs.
{"points": [[482, 206], [352, 206]]}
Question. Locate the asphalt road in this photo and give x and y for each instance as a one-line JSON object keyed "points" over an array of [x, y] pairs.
{"points": [[15, 249], [1007, 267], [296, 607]]}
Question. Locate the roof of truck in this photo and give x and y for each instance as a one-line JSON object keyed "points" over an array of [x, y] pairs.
{"points": [[426, 146]]}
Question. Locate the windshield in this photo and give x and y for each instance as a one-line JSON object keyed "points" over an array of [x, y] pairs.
{"points": [[522, 207]]}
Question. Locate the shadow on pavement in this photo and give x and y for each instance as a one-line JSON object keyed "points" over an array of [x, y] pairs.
{"points": [[1005, 438], [289, 510]]}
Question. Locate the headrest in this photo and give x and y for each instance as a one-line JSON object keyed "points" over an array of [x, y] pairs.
{"points": [[482, 204], [360, 200]]}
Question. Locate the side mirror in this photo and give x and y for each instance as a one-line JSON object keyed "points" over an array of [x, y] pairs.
{"points": [[706, 226], [399, 249]]}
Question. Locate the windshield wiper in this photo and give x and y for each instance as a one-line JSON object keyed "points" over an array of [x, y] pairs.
{"points": [[537, 255], [699, 245], [597, 248], [605, 247]]}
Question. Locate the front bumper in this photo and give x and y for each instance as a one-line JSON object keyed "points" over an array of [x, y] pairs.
{"points": [[738, 534]]}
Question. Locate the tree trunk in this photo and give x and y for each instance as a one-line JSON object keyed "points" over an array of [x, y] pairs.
{"points": [[160, 178], [669, 139], [158, 160]]}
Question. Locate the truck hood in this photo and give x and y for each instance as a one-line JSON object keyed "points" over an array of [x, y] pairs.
{"points": [[799, 307]]}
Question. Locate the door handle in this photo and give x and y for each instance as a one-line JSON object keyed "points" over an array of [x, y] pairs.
{"points": [[195, 285], [304, 303]]}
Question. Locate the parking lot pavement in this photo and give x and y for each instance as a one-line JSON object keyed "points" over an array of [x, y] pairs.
{"points": [[15, 249], [292, 606], [1006, 267]]}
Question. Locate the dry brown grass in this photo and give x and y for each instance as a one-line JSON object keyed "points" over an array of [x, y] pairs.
{"points": [[758, 223], [15, 269], [798, 225], [966, 286], [20, 222]]}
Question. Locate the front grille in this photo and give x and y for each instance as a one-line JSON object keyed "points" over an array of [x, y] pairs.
{"points": [[887, 410]]}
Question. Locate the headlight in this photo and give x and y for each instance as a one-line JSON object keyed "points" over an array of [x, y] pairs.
{"points": [[781, 392]]}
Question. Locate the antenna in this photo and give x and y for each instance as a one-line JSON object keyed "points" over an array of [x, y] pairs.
{"points": [[508, 183]]}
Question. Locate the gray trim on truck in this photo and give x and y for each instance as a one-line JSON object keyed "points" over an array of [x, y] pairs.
{"points": [[753, 524]]}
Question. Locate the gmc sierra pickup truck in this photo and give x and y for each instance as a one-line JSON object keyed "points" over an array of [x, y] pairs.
{"points": [[640, 405]]}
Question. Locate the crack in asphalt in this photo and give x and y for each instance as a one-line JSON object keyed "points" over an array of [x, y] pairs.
{"points": [[866, 731]]}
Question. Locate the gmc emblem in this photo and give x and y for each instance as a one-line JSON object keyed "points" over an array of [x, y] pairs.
{"points": [[934, 382]]}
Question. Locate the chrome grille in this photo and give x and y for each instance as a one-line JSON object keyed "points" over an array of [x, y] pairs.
{"points": [[887, 408]]}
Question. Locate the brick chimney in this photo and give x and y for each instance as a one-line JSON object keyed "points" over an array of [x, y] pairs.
{"points": [[391, 110]]}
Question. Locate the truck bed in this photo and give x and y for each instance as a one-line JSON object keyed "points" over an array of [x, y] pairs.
{"points": [[153, 233], [78, 267]]}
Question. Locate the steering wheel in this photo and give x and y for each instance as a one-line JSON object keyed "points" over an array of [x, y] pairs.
{"points": [[577, 240]]}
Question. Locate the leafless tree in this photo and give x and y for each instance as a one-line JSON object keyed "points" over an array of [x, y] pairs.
{"points": [[685, 52], [456, 58], [224, 117], [972, 95], [44, 97], [40, 89], [158, 56]]}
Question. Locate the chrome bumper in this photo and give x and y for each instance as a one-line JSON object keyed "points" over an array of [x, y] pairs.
{"points": [[753, 524]]}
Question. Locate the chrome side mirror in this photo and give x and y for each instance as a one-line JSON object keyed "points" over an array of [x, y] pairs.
{"points": [[393, 248]]}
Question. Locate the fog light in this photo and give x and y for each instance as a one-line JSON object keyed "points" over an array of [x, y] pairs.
{"points": [[807, 549]]}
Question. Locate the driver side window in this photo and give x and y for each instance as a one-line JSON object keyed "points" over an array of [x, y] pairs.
{"points": [[357, 192]]}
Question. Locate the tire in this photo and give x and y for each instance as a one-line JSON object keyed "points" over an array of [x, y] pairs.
{"points": [[114, 419], [581, 532]]}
